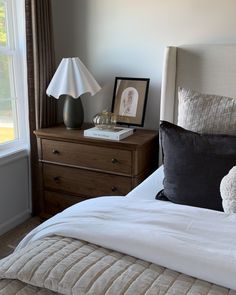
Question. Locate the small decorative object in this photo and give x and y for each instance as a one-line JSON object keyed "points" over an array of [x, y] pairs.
{"points": [[228, 191], [105, 120], [117, 133], [129, 100], [72, 79]]}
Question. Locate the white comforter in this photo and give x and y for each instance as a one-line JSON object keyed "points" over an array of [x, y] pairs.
{"points": [[197, 242]]}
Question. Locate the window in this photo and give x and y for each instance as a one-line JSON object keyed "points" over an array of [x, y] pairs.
{"points": [[13, 123]]}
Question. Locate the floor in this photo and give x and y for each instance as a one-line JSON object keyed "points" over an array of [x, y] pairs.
{"points": [[9, 240]]}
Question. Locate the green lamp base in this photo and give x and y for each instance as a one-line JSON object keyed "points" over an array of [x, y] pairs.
{"points": [[73, 113]]}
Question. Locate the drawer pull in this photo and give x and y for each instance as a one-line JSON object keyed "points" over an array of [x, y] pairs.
{"points": [[114, 189], [114, 161], [56, 178], [55, 152]]}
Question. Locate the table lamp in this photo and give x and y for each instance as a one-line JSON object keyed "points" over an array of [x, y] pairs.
{"points": [[72, 79]]}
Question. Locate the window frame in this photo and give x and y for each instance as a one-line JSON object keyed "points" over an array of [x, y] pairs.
{"points": [[17, 50]]}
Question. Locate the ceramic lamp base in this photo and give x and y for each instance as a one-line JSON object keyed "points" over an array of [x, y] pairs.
{"points": [[73, 113]]}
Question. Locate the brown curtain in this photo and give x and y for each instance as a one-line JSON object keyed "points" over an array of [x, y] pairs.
{"points": [[40, 68]]}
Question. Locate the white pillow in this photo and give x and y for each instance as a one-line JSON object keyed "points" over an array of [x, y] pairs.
{"points": [[228, 191], [206, 113]]}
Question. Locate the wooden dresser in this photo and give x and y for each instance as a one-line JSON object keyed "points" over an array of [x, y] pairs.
{"points": [[75, 168]]}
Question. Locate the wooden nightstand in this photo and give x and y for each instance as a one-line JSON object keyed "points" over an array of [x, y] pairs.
{"points": [[75, 168]]}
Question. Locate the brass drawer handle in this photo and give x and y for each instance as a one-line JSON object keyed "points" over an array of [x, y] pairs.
{"points": [[114, 161], [55, 152], [114, 189], [56, 179]]}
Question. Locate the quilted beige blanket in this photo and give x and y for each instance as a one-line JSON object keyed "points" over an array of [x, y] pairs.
{"points": [[59, 265]]}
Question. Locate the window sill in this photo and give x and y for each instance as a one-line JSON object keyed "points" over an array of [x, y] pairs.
{"points": [[13, 154]]}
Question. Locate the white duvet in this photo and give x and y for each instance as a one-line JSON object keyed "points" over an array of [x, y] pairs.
{"points": [[197, 242]]}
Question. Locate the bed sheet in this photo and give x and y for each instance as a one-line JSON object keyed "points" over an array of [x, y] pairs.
{"points": [[149, 187], [195, 241]]}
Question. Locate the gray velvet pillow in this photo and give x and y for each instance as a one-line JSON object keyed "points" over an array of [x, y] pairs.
{"points": [[194, 165]]}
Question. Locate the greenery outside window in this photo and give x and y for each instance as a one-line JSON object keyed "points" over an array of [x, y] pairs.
{"points": [[13, 123]]}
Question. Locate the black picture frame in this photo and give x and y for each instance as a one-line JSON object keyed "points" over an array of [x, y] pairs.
{"points": [[130, 100]]}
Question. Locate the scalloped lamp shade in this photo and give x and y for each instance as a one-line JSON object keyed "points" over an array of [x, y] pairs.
{"points": [[72, 79]]}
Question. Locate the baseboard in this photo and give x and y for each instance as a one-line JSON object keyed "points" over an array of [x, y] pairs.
{"points": [[13, 222]]}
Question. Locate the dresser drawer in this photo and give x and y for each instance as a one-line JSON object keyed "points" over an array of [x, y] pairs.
{"points": [[56, 202], [84, 182], [82, 155]]}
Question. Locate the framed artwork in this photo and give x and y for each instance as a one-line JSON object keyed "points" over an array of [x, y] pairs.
{"points": [[129, 100]]}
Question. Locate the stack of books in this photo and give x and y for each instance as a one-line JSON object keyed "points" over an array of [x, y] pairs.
{"points": [[117, 133]]}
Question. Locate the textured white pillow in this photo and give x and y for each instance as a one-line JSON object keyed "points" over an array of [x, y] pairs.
{"points": [[228, 191], [206, 113]]}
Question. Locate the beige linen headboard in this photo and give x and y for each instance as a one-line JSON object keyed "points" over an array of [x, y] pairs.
{"points": [[203, 68]]}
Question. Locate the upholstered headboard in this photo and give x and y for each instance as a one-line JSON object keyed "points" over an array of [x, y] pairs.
{"points": [[204, 68]]}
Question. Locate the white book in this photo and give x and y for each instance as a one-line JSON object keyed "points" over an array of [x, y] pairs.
{"points": [[117, 133]]}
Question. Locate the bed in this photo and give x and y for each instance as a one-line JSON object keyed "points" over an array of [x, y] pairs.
{"points": [[137, 244]]}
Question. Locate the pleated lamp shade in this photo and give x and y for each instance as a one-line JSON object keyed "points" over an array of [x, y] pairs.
{"points": [[73, 79]]}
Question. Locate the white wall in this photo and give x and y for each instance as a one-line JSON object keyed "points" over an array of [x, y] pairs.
{"points": [[128, 37], [14, 193]]}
